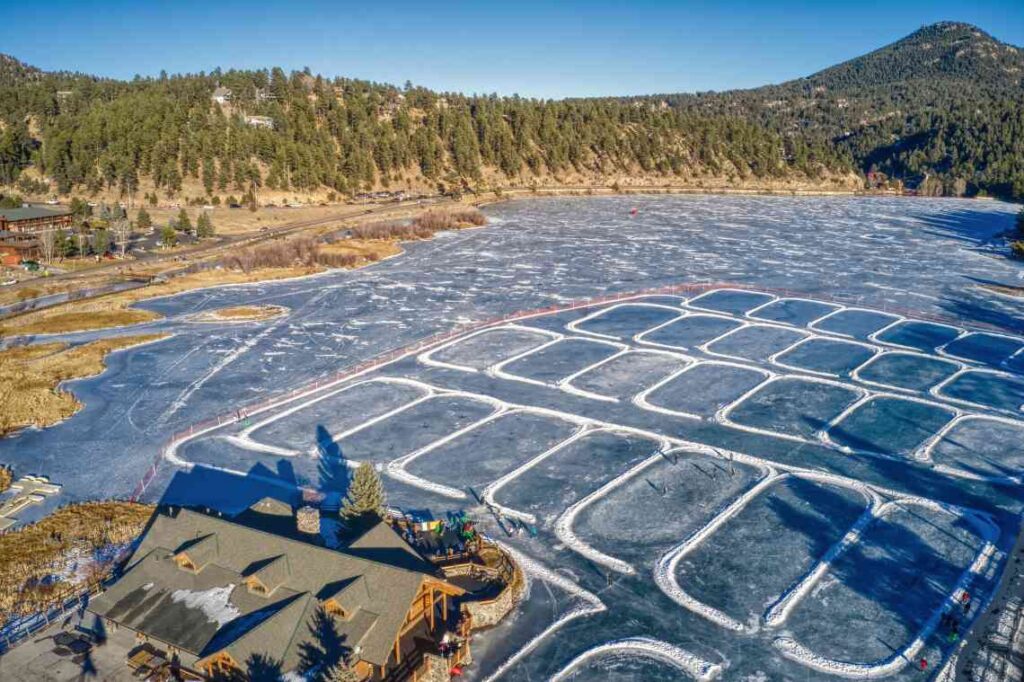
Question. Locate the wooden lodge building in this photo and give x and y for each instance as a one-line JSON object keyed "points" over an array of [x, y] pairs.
{"points": [[34, 219], [19, 228], [216, 596]]}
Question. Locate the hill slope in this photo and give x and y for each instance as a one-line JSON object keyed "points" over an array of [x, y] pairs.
{"points": [[942, 109], [946, 102]]}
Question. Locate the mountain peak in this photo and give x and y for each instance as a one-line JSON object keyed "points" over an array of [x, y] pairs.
{"points": [[948, 50]]}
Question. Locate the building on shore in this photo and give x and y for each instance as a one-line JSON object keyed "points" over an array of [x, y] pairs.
{"points": [[213, 596], [16, 247], [34, 219]]}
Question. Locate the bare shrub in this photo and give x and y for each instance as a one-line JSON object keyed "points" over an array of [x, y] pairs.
{"points": [[445, 220], [301, 251]]}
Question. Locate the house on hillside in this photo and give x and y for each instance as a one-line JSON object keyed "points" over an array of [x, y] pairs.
{"points": [[260, 122], [217, 597], [221, 95]]}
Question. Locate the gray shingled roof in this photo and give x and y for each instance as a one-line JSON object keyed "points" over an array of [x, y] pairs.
{"points": [[375, 580]]}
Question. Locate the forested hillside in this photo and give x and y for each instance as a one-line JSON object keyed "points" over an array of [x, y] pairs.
{"points": [[306, 132], [945, 103], [941, 110]]}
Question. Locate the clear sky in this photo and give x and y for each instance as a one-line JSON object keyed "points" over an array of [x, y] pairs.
{"points": [[538, 49]]}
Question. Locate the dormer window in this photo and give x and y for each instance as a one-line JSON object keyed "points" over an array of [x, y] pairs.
{"points": [[256, 587], [334, 608]]}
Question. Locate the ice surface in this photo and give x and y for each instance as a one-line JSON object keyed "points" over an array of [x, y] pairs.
{"points": [[756, 342], [988, 348], [794, 311], [924, 336], [623, 322], [907, 370], [793, 406], [626, 375], [858, 324], [890, 425], [983, 446], [554, 251], [826, 356], [691, 331], [705, 389], [998, 391]]}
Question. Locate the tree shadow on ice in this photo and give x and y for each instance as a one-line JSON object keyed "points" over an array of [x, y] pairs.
{"points": [[903, 576], [975, 228], [1002, 314], [832, 515], [332, 468], [227, 492]]}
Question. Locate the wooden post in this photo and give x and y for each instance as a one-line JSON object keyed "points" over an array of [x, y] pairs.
{"points": [[444, 607], [430, 599]]}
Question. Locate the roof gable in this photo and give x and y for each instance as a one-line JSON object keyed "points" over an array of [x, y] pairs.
{"points": [[374, 582]]}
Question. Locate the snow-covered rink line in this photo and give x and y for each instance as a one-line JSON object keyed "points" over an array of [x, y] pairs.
{"points": [[705, 484]]}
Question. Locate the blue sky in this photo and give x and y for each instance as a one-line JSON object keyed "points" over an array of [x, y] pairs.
{"points": [[538, 49]]}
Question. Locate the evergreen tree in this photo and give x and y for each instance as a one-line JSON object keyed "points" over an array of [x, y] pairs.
{"points": [[204, 226], [183, 223], [143, 220], [101, 241], [168, 237], [365, 501]]}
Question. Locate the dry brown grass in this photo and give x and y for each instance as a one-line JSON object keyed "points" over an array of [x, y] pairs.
{"points": [[364, 251], [278, 259], [307, 252], [114, 311], [6, 476], [34, 553], [30, 377], [242, 313], [235, 221]]}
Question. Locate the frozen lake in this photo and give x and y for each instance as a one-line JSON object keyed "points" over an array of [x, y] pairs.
{"points": [[695, 464]]}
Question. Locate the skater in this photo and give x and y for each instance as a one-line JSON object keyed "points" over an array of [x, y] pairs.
{"points": [[923, 664]]}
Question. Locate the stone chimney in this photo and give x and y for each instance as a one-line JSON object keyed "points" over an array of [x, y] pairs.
{"points": [[307, 520]]}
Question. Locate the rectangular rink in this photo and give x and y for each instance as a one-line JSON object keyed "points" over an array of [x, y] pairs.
{"points": [[878, 595], [489, 348], [922, 336], [731, 301], [626, 320], [991, 349], [763, 551], [855, 323], [907, 370], [982, 446], [998, 391], [626, 375], [321, 421], [705, 389], [560, 360], [690, 332], [793, 406], [412, 429], [756, 342], [890, 426], [667, 502], [795, 311], [490, 451], [826, 356], [573, 472]]}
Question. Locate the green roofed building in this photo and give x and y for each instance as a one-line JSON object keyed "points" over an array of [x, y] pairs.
{"points": [[214, 595], [34, 219]]}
